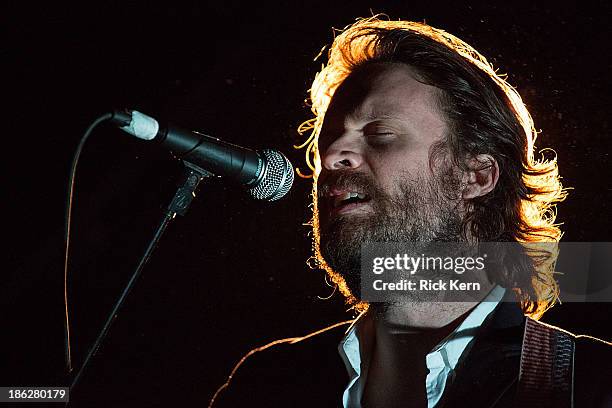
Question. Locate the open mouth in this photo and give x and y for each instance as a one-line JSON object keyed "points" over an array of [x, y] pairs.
{"points": [[348, 200]]}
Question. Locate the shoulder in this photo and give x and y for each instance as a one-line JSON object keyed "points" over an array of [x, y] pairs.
{"points": [[305, 373], [592, 372], [557, 364], [515, 357]]}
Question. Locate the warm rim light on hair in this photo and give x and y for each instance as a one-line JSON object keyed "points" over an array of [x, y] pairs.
{"points": [[356, 44]]}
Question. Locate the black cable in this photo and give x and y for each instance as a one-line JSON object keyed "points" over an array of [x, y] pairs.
{"points": [[71, 181]]}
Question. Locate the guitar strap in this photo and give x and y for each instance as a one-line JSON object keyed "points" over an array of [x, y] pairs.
{"points": [[547, 363]]}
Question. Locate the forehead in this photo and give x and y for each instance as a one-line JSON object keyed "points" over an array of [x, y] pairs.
{"points": [[381, 90]]}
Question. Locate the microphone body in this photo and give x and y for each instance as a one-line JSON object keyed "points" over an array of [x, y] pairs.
{"points": [[267, 174]]}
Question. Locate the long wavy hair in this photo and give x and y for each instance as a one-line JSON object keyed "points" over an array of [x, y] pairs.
{"points": [[485, 115]]}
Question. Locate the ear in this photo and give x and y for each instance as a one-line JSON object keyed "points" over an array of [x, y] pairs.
{"points": [[481, 177]]}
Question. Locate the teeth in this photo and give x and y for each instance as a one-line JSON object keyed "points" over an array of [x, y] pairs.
{"points": [[348, 195]]}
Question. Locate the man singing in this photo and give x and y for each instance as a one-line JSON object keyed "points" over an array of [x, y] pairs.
{"points": [[417, 139]]}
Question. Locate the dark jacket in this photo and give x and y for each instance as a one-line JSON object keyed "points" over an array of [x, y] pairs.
{"points": [[311, 373], [490, 375]]}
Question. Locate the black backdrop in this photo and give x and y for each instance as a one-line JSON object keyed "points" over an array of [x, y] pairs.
{"points": [[232, 273]]}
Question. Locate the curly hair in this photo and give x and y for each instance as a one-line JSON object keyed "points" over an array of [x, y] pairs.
{"points": [[485, 115]]}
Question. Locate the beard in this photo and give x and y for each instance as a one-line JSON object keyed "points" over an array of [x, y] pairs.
{"points": [[420, 210]]}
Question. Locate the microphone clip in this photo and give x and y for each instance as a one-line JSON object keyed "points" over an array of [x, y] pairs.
{"points": [[192, 176]]}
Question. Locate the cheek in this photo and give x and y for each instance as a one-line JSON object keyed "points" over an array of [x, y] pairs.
{"points": [[391, 166]]}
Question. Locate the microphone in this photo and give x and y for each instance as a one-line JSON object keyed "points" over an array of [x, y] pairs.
{"points": [[267, 173]]}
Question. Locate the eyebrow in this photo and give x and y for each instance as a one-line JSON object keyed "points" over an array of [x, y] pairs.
{"points": [[371, 115]]}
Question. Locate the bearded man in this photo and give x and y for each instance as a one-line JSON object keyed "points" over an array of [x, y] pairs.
{"points": [[417, 139]]}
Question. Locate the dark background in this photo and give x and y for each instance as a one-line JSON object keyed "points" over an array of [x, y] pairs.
{"points": [[231, 274]]}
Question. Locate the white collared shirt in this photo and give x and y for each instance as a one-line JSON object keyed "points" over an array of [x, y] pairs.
{"points": [[441, 361]]}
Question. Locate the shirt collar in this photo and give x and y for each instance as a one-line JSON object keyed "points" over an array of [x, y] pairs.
{"points": [[355, 350]]}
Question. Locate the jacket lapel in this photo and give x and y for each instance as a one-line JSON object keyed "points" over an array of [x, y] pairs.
{"points": [[488, 373]]}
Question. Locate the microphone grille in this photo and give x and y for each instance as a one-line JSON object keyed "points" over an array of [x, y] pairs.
{"points": [[277, 178]]}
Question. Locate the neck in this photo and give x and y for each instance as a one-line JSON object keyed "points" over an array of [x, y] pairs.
{"points": [[417, 327], [400, 349]]}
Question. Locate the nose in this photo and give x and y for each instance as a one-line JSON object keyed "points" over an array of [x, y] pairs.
{"points": [[343, 153]]}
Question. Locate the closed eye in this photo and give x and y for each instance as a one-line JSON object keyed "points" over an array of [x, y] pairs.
{"points": [[379, 131], [380, 138]]}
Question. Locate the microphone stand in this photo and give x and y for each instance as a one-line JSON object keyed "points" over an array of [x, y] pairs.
{"points": [[192, 175]]}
